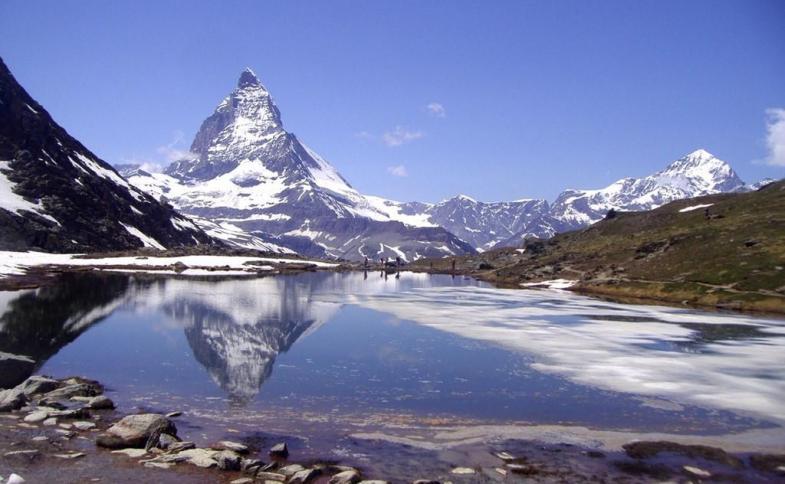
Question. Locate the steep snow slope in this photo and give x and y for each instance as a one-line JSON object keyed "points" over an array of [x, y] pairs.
{"points": [[246, 170], [56, 195]]}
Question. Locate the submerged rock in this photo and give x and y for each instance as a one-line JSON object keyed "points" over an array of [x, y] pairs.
{"points": [[132, 453], [200, 457], [136, 430]]}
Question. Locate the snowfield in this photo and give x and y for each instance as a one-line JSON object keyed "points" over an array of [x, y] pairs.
{"points": [[17, 263]]}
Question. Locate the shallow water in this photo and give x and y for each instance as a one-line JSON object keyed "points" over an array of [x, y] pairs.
{"points": [[318, 355]]}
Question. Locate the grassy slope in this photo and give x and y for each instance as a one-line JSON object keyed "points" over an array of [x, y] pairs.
{"points": [[736, 258]]}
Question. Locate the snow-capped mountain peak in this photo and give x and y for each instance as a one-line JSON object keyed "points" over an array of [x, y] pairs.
{"points": [[702, 171], [248, 79]]}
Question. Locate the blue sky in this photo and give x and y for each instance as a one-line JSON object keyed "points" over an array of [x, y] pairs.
{"points": [[526, 98]]}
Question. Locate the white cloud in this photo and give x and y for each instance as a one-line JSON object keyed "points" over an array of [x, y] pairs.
{"points": [[775, 136], [397, 170], [171, 152], [436, 109], [400, 135]]}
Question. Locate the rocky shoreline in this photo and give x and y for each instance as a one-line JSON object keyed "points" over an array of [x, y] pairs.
{"points": [[48, 423]]}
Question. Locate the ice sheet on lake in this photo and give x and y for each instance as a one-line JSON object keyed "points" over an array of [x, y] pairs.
{"points": [[675, 353]]}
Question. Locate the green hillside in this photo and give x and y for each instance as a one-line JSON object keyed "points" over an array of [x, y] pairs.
{"points": [[730, 254]]}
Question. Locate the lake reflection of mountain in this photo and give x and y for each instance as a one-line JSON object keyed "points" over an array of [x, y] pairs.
{"points": [[236, 328], [37, 323]]}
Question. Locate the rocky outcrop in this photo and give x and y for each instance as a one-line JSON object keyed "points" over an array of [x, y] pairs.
{"points": [[59, 196]]}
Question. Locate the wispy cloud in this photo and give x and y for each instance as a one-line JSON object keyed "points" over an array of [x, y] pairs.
{"points": [[775, 136], [164, 155], [173, 152], [397, 170], [400, 135], [436, 110]]}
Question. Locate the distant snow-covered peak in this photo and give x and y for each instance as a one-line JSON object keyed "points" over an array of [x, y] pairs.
{"points": [[248, 79], [701, 173]]}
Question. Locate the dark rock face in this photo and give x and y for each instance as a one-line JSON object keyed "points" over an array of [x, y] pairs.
{"points": [[59, 196]]}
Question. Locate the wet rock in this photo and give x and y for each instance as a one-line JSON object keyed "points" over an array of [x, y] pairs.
{"points": [[37, 416], [426, 481], [696, 471], [70, 455], [768, 462], [279, 450], [345, 477], [595, 454], [40, 438], [74, 390], [228, 460], [12, 399], [303, 476], [173, 414], [26, 455], [233, 446], [158, 465], [36, 385], [100, 402], [200, 457], [84, 425], [270, 476], [15, 479], [45, 402], [68, 413], [291, 469], [242, 480], [648, 449], [132, 453], [250, 465], [463, 471], [373, 481], [523, 469], [166, 441], [51, 421], [180, 446], [505, 456], [136, 430]]}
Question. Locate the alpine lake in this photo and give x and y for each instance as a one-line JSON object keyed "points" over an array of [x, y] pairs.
{"points": [[412, 375]]}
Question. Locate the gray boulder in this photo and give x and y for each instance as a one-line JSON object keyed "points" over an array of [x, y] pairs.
{"points": [[136, 430]]}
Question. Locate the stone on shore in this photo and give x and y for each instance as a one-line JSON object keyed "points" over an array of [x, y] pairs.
{"points": [[303, 476], [100, 402], [135, 430], [74, 390], [12, 399], [279, 450], [36, 385], [15, 479], [291, 469], [37, 416], [270, 476], [83, 425], [345, 477], [132, 453], [233, 446], [463, 471], [228, 460], [200, 457]]}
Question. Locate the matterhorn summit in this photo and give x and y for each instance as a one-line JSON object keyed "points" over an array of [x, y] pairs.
{"points": [[246, 174]]}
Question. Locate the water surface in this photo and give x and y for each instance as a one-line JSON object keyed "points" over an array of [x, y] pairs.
{"points": [[320, 352]]}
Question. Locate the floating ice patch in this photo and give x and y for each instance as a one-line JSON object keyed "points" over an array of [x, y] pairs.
{"points": [[732, 362]]}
